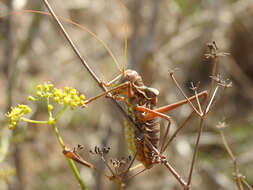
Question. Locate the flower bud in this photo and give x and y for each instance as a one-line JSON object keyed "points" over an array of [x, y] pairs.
{"points": [[39, 94], [50, 107], [82, 97], [39, 87], [30, 98]]}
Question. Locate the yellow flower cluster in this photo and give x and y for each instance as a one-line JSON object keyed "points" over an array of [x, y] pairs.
{"points": [[16, 113], [68, 96]]}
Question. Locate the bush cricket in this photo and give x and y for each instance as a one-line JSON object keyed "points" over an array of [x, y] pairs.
{"points": [[142, 128]]}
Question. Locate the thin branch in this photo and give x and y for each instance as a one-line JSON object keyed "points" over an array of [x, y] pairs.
{"points": [[238, 176], [211, 100], [177, 176], [247, 184], [195, 89], [195, 151], [177, 131]]}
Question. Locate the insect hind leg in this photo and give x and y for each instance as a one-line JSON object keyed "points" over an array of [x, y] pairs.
{"points": [[158, 114]]}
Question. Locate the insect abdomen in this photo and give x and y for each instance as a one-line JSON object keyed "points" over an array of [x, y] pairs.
{"points": [[151, 130]]}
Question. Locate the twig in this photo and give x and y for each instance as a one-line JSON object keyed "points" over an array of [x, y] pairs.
{"points": [[195, 150], [238, 176], [177, 131], [228, 149], [171, 73]]}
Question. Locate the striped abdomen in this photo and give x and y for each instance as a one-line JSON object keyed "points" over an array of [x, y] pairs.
{"points": [[151, 130]]}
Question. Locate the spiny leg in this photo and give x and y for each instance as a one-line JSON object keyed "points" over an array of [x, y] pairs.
{"points": [[159, 112], [204, 93], [177, 131], [167, 108]]}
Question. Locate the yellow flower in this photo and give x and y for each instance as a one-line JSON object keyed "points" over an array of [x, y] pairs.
{"points": [[16, 114]]}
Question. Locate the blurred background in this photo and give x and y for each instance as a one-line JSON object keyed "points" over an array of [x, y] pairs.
{"points": [[161, 35]]}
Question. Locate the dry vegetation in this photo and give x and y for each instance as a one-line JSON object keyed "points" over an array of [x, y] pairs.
{"points": [[162, 35]]}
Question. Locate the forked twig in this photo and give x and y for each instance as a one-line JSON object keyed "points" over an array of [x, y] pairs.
{"points": [[171, 73]]}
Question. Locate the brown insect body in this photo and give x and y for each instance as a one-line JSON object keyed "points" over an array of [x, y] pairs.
{"points": [[137, 94]]}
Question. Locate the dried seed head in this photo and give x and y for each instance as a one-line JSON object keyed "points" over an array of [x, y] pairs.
{"points": [[80, 147], [221, 125], [213, 51], [100, 151], [221, 82], [118, 163], [194, 88]]}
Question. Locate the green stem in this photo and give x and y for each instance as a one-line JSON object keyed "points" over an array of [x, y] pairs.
{"points": [[49, 112], [78, 177], [71, 163], [61, 112], [34, 121], [58, 136]]}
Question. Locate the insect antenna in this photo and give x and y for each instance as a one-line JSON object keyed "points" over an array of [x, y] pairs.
{"points": [[125, 35], [81, 27]]}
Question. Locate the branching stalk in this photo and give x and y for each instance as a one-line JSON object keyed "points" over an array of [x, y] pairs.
{"points": [[34, 121]]}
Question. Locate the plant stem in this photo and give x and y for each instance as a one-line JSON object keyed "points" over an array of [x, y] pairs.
{"points": [[61, 112], [58, 136], [71, 163], [78, 177], [195, 154], [34, 121]]}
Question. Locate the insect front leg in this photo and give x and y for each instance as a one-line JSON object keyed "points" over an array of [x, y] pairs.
{"points": [[114, 90], [117, 78]]}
